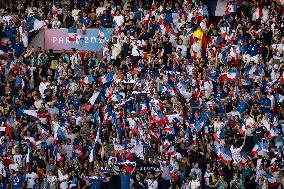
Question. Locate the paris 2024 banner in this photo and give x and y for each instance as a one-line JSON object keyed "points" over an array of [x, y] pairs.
{"points": [[85, 40]]}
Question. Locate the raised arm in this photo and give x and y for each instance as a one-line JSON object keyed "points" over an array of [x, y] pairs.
{"points": [[133, 169]]}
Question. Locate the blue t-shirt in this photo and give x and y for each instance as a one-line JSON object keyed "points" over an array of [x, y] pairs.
{"points": [[10, 31], [86, 21], [36, 186], [241, 107], [264, 102], [17, 182], [253, 49], [125, 181], [3, 185], [19, 49], [96, 184], [76, 103]]}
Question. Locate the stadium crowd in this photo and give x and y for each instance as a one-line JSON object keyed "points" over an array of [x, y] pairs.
{"points": [[177, 99]]}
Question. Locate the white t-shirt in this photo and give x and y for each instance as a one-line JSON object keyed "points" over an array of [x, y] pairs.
{"points": [[194, 184], [218, 125], [14, 166], [249, 124], [100, 10], [6, 18], [30, 178], [42, 87], [236, 153], [75, 13], [52, 181], [38, 103], [115, 49], [56, 24], [119, 20], [278, 50], [196, 50], [234, 113], [152, 184], [183, 49], [135, 51], [189, 69], [31, 139], [18, 158], [63, 185]]}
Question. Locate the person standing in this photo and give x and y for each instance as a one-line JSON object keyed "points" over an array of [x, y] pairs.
{"points": [[125, 178]]}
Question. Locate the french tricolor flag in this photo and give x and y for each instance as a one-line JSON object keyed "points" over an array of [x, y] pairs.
{"points": [[162, 88], [245, 82], [166, 144], [106, 78], [53, 10], [43, 130], [84, 30], [77, 151], [271, 179], [143, 109], [35, 114], [279, 98], [136, 71], [232, 76], [147, 18], [167, 129], [153, 6], [244, 159], [88, 79], [4, 54], [94, 98], [231, 7], [255, 150], [72, 34], [225, 156]]}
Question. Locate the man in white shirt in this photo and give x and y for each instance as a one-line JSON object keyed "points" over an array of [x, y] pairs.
{"points": [[100, 8], [75, 12], [115, 52], [63, 179], [30, 179], [235, 112], [151, 181], [181, 46], [194, 183], [43, 86], [18, 157], [118, 19], [196, 171], [196, 49], [14, 166], [55, 23], [249, 125], [236, 152]]}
